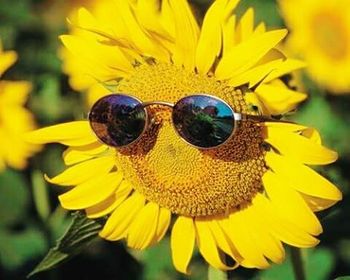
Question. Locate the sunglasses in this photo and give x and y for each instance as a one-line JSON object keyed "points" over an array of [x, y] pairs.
{"points": [[203, 121]]}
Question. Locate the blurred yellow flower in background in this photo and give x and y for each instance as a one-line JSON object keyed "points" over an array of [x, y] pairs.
{"points": [[14, 118], [320, 34], [243, 198]]}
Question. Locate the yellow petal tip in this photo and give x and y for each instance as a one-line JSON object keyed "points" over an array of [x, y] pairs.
{"points": [[34, 137], [48, 179]]}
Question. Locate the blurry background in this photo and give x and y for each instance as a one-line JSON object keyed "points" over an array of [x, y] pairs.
{"points": [[30, 217]]}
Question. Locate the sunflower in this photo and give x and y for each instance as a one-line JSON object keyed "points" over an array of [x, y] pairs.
{"points": [[321, 33], [14, 118], [243, 198]]}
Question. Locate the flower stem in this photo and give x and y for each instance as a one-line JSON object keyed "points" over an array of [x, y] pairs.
{"points": [[298, 265]]}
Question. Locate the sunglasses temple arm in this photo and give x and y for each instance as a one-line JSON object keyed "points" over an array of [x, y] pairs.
{"points": [[243, 117]]}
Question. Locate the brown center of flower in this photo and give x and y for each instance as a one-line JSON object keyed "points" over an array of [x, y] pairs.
{"points": [[177, 176], [330, 34]]}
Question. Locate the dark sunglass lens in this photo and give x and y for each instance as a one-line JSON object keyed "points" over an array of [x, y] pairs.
{"points": [[203, 121], [117, 120]]}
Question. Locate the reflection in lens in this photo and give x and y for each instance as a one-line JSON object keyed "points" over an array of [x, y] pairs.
{"points": [[117, 120], [203, 121]]}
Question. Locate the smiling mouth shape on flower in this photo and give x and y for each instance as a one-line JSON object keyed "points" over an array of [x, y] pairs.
{"points": [[243, 198]]}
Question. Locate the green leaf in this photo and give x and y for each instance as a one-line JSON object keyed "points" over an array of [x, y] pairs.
{"points": [[79, 235], [343, 278], [14, 198], [319, 264], [18, 248]]}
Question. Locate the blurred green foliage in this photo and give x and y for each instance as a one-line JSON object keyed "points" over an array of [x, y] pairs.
{"points": [[31, 219]]}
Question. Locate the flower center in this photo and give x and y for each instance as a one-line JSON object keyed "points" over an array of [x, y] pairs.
{"points": [[177, 176], [330, 34]]}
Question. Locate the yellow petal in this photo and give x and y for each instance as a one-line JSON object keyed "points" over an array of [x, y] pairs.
{"points": [[109, 204], [163, 224], [187, 33], [139, 35], [75, 155], [245, 26], [6, 60], [253, 101], [272, 54], [119, 222], [288, 66], [86, 194], [299, 147], [255, 75], [207, 245], [218, 25], [102, 62], [229, 27], [230, 6], [222, 241], [260, 29], [312, 134], [271, 247], [182, 243], [124, 188], [290, 203], [105, 29], [279, 227], [76, 133], [167, 18], [105, 207], [84, 171], [240, 234], [286, 126], [103, 26], [148, 14], [209, 43], [318, 204], [302, 178], [279, 100], [77, 79], [95, 92], [143, 227], [246, 54], [228, 34], [86, 21]]}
